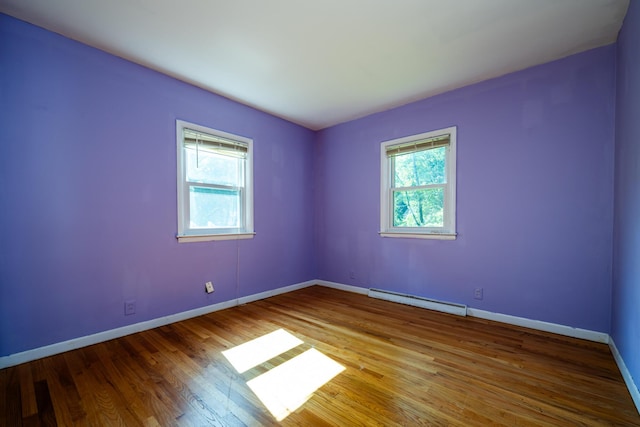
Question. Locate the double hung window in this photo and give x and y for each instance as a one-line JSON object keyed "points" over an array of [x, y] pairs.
{"points": [[418, 189], [215, 198]]}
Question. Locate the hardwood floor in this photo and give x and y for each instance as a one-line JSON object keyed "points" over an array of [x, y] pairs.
{"points": [[403, 366]]}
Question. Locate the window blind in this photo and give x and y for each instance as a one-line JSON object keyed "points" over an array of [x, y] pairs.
{"points": [[417, 145], [214, 144]]}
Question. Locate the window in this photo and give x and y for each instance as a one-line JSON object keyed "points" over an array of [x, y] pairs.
{"points": [[215, 197], [418, 186]]}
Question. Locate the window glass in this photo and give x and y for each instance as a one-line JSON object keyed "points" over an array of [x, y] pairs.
{"points": [[214, 208], [418, 208], [212, 168], [420, 168]]}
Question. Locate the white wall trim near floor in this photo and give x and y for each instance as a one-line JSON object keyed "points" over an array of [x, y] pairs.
{"points": [[502, 318], [274, 292], [539, 325], [628, 379], [61, 347], [342, 287]]}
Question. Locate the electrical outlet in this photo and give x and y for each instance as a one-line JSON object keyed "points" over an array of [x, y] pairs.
{"points": [[477, 293], [208, 287], [352, 274], [130, 307]]}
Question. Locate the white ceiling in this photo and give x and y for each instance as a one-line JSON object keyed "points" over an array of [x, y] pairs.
{"points": [[319, 63]]}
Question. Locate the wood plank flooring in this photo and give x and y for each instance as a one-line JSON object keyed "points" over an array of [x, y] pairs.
{"points": [[403, 366]]}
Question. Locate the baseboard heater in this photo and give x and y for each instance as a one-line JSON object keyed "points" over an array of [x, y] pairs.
{"points": [[416, 301]]}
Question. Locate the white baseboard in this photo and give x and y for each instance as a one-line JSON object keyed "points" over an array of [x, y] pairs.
{"points": [[502, 318], [274, 292], [555, 328], [628, 379], [61, 347], [541, 326], [342, 287]]}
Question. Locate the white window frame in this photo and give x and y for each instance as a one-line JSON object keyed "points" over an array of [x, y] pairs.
{"points": [[187, 234], [448, 231]]}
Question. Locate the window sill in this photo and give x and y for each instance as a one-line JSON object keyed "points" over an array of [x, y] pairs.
{"points": [[209, 237], [411, 235]]}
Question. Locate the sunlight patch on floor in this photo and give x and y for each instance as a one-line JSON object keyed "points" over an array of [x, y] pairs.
{"points": [[286, 387], [252, 353]]}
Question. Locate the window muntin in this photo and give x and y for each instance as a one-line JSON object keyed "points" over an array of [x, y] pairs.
{"points": [[214, 184], [418, 185]]}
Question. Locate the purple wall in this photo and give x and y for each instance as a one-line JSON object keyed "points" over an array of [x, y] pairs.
{"points": [[535, 196], [88, 194], [625, 324]]}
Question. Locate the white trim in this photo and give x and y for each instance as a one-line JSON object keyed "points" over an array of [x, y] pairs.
{"points": [[435, 236], [626, 375], [61, 347], [386, 208], [209, 237], [274, 292], [539, 325], [342, 287], [75, 343], [502, 318], [182, 187]]}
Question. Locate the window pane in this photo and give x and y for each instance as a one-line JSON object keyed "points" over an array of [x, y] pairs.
{"points": [[212, 168], [214, 208], [419, 208], [421, 168]]}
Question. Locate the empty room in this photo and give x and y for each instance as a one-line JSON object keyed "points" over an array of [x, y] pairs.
{"points": [[330, 213]]}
